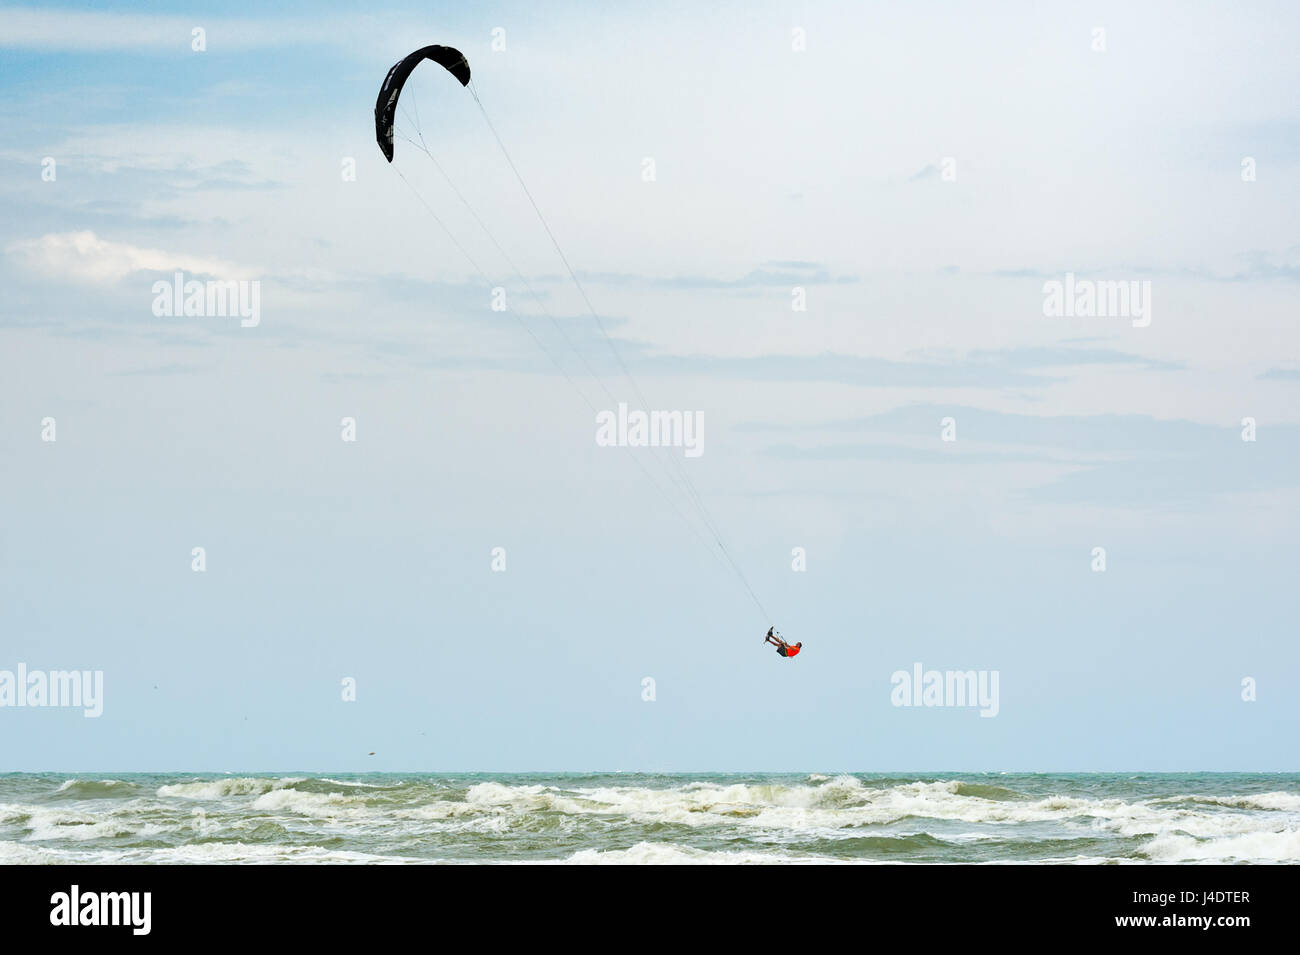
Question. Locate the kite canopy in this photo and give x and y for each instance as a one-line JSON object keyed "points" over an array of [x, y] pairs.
{"points": [[386, 105]]}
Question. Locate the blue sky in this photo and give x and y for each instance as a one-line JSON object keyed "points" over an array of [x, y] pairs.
{"points": [[820, 169]]}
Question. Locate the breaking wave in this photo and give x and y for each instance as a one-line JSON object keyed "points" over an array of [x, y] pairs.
{"points": [[620, 819]]}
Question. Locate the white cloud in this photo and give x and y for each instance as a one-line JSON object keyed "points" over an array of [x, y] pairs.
{"points": [[37, 29], [85, 257], [94, 30]]}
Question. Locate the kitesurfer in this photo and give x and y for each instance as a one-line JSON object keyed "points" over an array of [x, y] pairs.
{"points": [[783, 648]]}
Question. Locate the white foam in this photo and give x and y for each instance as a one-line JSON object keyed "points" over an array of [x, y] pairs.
{"points": [[81, 783], [220, 788], [353, 782], [661, 853], [54, 825], [12, 812], [1282, 846], [1276, 801], [321, 805], [257, 854], [13, 853]]}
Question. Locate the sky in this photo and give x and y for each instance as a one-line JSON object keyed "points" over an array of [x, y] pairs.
{"points": [[826, 229]]}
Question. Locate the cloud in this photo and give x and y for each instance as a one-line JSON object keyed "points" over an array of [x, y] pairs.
{"points": [[1280, 374], [865, 371], [1012, 367], [84, 257], [901, 454], [28, 28], [1043, 357], [788, 274], [1079, 434], [1260, 267], [1132, 461], [812, 266], [171, 368]]}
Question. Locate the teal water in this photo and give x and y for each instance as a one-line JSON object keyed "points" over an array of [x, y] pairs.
{"points": [[634, 818]]}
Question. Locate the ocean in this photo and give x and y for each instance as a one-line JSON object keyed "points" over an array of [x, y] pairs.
{"points": [[613, 818]]}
